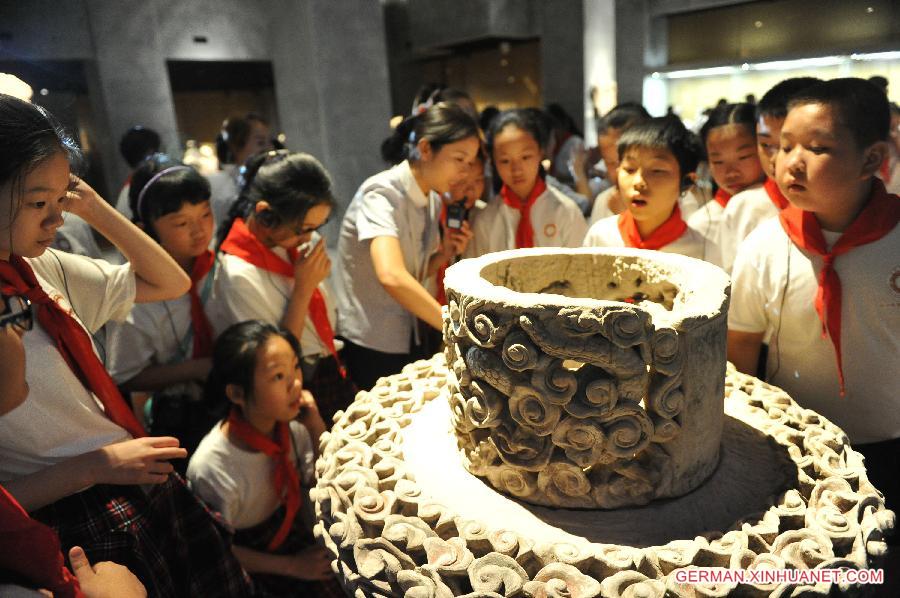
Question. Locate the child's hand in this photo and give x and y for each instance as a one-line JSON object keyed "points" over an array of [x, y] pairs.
{"points": [[104, 579], [138, 461], [312, 269], [313, 563], [81, 199]]}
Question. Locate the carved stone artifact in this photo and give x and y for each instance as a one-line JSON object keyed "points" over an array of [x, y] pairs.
{"points": [[577, 387]]}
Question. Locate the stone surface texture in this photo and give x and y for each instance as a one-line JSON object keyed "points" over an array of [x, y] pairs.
{"points": [[587, 378], [389, 538]]}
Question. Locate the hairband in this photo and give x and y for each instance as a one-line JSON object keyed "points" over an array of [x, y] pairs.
{"points": [[153, 179]]}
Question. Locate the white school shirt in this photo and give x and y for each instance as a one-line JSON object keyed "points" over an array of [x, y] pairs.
{"points": [[744, 212], [247, 292], [800, 360], [76, 236], [557, 222], [388, 204], [223, 191], [238, 483], [61, 418], [605, 233], [159, 333], [706, 220]]}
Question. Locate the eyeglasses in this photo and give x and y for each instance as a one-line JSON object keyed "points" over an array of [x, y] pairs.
{"points": [[17, 312], [308, 230]]}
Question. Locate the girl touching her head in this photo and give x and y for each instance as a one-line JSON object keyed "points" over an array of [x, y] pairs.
{"points": [[390, 241], [74, 454]]}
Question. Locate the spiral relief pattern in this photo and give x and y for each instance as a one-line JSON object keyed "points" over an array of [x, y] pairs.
{"points": [[402, 542]]}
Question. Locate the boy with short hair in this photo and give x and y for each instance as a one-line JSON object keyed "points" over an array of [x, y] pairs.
{"points": [[752, 206], [657, 164], [824, 279]]}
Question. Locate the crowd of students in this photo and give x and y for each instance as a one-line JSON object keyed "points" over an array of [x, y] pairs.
{"points": [[224, 343]]}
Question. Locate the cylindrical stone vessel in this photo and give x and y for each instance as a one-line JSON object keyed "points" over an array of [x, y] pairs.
{"points": [[587, 378]]}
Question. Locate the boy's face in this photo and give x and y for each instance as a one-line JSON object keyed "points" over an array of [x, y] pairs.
{"points": [[609, 152], [768, 133], [185, 234], [649, 183], [819, 167], [733, 162]]}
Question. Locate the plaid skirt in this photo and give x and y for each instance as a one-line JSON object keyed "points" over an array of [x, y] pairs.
{"points": [[331, 391], [165, 536], [278, 586]]}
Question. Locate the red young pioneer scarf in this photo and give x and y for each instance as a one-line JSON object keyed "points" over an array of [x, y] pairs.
{"points": [[878, 218], [73, 343], [721, 197], [665, 233], [30, 549], [284, 476], [524, 232], [241, 243], [202, 329], [775, 194]]}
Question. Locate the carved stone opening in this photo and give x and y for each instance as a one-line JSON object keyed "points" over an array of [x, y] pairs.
{"points": [[587, 378]]}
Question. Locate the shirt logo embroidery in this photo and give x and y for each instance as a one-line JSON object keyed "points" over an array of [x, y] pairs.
{"points": [[894, 282], [550, 230]]}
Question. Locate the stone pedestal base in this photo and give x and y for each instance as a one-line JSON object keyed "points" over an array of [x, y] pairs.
{"points": [[403, 518]]}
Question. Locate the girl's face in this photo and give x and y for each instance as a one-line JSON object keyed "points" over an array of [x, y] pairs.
{"points": [[185, 234], [277, 384], [733, 160], [291, 236], [449, 165], [471, 188], [517, 157], [28, 223], [649, 182]]}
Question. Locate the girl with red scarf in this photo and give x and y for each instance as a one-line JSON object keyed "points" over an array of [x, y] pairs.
{"points": [[164, 347], [657, 164], [729, 137], [527, 213], [74, 455], [256, 465], [274, 265]]}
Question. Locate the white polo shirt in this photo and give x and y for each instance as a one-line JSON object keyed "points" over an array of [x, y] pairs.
{"points": [[247, 292], [159, 333], [773, 291], [605, 233], [388, 204], [557, 222], [61, 418], [744, 212], [238, 483], [706, 220]]}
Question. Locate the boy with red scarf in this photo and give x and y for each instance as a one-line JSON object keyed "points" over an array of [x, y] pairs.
{"points": [[823, 280], [657, 161]]}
